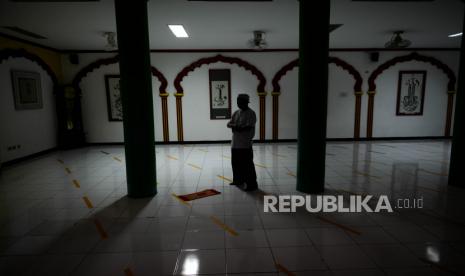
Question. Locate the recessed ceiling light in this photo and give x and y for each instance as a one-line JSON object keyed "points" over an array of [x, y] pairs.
{"points": [[455, 35], [178, 30]]}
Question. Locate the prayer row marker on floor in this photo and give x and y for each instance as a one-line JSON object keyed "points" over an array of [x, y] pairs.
{"points": [[339, 225], [100, 229], [180, 199], [76, 183], [226, 157], [225, 178], [365, 174], [261, 166], [104, 152], [172, 157], [194, 166], [68, 170], [61, 161], [291, 174], [284, 270], [88, 202], [434, 173], [224, 226]]}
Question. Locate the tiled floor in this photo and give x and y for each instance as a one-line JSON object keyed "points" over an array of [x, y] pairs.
{"points": [[66, 213]]}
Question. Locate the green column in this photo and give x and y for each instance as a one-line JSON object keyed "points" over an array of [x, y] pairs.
{"points": [[313, 93], [136, 94], [457, 156]]}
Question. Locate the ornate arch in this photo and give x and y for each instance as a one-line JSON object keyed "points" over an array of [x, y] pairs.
{"points": [[214, 59], [154, 71], [21, 53], [338, 62], [411, 57]]}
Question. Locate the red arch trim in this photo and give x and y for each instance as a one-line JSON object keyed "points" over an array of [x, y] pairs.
{"points": [[413, 56], [21, 53], [283, 71], [220, 58], [107, 61], [337, 61]]}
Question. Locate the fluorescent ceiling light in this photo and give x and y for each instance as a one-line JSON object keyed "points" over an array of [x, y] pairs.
{"points": [[178, 30], [455, 35]]}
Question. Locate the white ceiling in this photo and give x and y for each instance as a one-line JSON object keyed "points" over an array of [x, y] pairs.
{"points": [[221, 25]]}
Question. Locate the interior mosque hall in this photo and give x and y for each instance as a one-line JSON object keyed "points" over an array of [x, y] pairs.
{"points": [[219, 137]]}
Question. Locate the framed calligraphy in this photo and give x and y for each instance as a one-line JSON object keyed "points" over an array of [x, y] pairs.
{"points": [[220, 94], [115, 107], [411, 93], [27, 90]]}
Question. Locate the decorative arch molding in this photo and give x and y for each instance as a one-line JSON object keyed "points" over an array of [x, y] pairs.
{"points": [[154, 71], [21, 53], [214, 59], [338, 62], [411, 57]]}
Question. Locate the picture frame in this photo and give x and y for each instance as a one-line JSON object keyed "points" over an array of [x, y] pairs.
{"points": [[220, 94], [411, 93], [114, 102], [27, 90]]}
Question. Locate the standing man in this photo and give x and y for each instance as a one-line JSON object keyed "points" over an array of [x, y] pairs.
{"points": [[242, 124]]}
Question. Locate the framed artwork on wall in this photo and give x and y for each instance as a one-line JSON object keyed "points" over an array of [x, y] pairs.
{"points": [[220, 94], [411, 93], [27, 91], [115, 107]]}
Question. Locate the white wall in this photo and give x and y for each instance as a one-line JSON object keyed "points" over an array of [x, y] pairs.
{"points": [[341, 103], [97, 127], [288, 105], [36, 129], [341, 100]]}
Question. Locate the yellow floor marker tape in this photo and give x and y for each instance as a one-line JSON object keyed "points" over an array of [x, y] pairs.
{"points": [[88, 202], [291, 174], [117, 159], [225, 178], [194, 166], [172, 157], [224, 226], [76, 183], [227, 157], [339, 225], [261, 166], [61, 161], [365, 174], [100, 229], [284, 270], [435, 173], [180, 200], [128, 272], [68, 170]]}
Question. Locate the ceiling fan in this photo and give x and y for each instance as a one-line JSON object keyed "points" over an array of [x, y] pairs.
{"points": [[397, 41], [258, 42]]}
